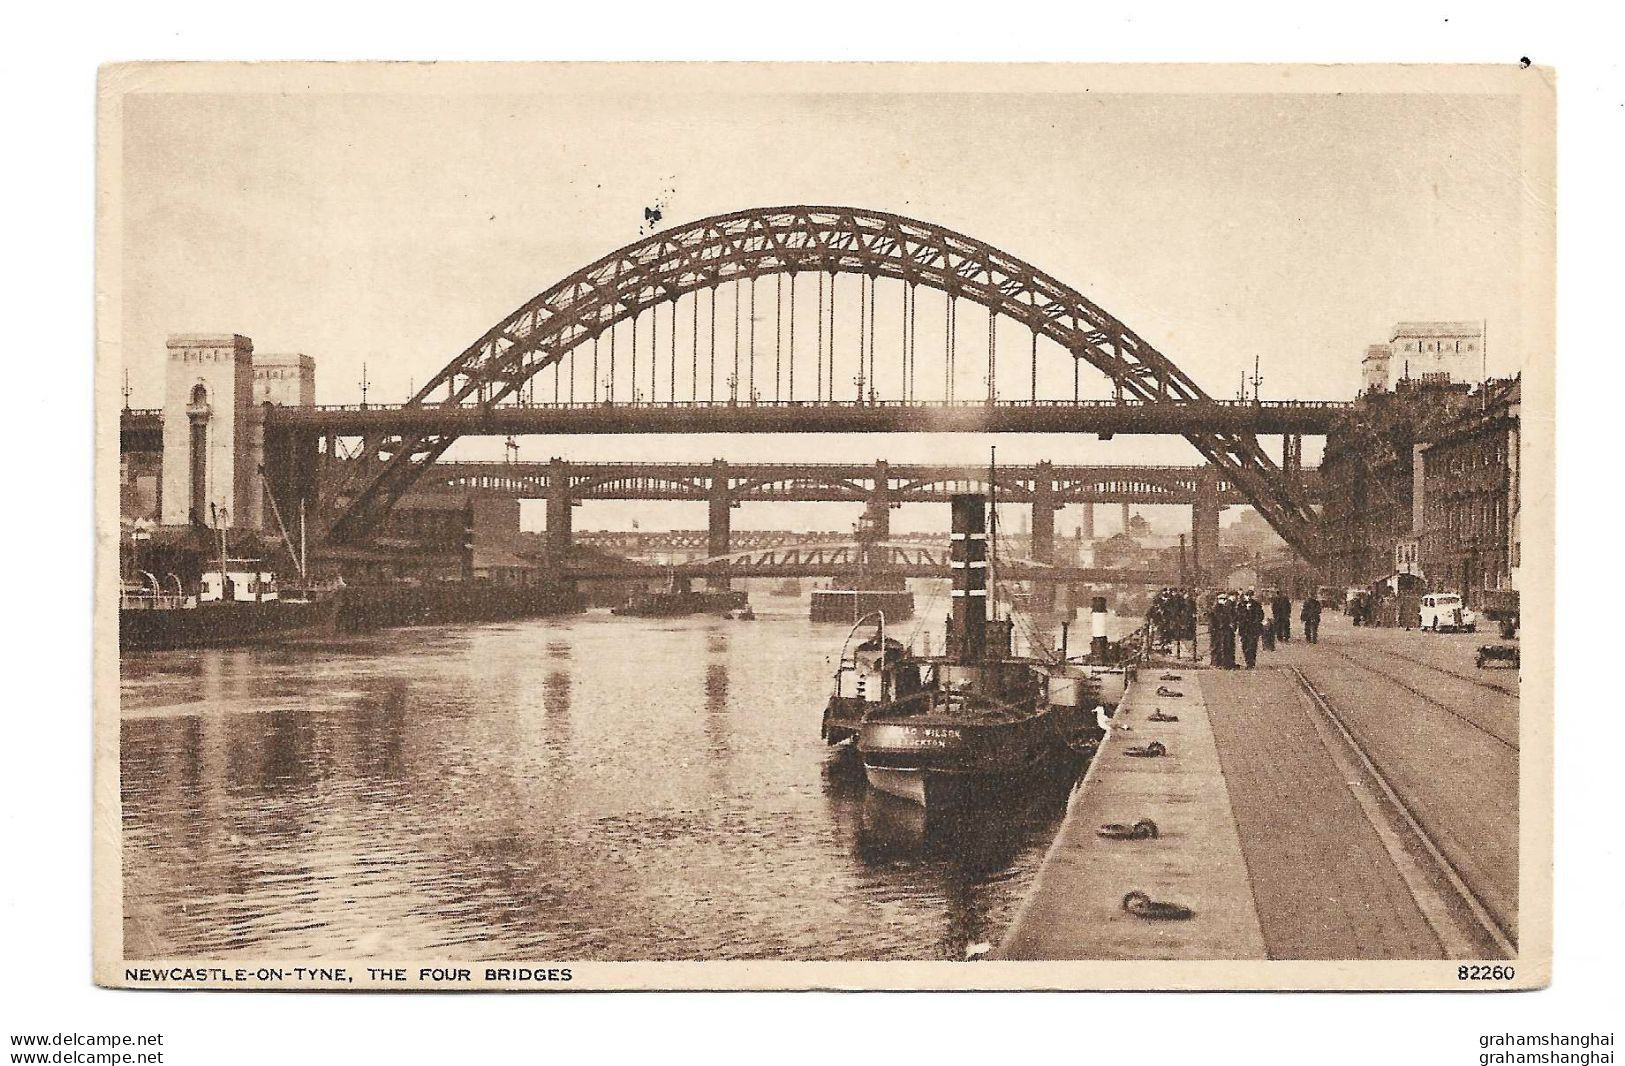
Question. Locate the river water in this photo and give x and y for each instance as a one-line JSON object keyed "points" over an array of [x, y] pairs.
{"points": [[577, 788]]}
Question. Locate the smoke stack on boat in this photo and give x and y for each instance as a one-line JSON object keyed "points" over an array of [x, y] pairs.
{"points": [[1097, 630], [967, 558], [946, 727]]}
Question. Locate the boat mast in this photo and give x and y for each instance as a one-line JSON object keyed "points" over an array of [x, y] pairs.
{"points": [[993, 532], [219, 527]]}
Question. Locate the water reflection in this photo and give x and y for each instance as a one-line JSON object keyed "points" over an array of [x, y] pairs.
{"points": [[588, 787]]}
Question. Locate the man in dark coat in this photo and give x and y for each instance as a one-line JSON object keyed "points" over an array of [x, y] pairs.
{"points": [[1224, 616], [1281, 610], [1212, 615], [1311, 619], [1250, 624]]}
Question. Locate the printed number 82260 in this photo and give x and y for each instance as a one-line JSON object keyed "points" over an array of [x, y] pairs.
{"points": [[1485, 973]]}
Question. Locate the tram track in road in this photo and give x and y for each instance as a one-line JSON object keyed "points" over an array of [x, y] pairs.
{"points": [[1470, 679], [1421, 695], [1466, 925]]}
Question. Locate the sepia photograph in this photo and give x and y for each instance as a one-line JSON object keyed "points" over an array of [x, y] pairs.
{"points": [[807, 526]]}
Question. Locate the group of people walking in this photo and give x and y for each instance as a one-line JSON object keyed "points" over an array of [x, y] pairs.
{"points": [[1231, 618]]}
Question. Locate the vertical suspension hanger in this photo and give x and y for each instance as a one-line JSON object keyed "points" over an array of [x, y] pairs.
{"points": [[713, 341], [874, 282], [694, 356], [832, 290], [902, 357], [1032, 298], [863, 304], [992, 357], [778, 331], [792, 387], [819, 368], [913, 342], [752, 394]]}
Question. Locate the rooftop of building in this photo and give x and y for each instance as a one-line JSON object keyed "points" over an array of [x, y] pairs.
{"points": [[1438, 329], [209, 340], [283, 359]]}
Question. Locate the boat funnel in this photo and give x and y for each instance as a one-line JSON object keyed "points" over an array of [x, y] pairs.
{"points": [[967, 557], [1097, 629]]}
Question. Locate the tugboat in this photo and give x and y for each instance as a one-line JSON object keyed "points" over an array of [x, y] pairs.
{"points": [[873, 589], [938, 730], [679, 598]]}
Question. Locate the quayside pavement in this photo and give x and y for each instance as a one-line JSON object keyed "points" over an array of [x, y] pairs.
{"points": [[1353, 799]]}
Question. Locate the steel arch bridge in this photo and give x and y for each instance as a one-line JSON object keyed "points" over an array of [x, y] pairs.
{"points": [[584, 310]]}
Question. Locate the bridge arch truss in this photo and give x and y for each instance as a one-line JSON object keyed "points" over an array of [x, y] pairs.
{"points": [[583, 313]]}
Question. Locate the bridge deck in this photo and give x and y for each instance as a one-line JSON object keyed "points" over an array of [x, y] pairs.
{"points": [[1058, 416]]}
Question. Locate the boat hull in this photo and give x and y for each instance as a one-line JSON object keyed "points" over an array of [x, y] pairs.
{"points": [[843, 717], [849, 605], [678, 604], [942, 762], [207, 626]]}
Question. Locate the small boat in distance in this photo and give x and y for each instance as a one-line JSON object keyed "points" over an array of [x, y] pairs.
{"points": [[872, 589], [680, 598]]}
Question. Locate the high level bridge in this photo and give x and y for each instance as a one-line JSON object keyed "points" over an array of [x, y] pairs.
{"points": [[1044, 487], [770, 320]]}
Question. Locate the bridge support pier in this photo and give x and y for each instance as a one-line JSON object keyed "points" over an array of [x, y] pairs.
{"points": [[1043, 543], [559, 504], [1088, 526], [720, 526], [1292, 458], [1205, 529], [877, 512]]}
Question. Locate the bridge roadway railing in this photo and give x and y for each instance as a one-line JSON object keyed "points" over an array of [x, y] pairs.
{"points": [[1313, 417]]}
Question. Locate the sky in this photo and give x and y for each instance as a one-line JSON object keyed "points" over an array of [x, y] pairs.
{"points": [[392, 229]]}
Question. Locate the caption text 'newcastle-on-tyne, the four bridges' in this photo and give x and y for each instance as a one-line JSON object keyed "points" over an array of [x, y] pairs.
{"points": [[777, 320]]}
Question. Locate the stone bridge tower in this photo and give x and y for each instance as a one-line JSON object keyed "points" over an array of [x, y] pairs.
{"points": [[212, 433]]}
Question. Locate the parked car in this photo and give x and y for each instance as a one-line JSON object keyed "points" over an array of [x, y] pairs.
{"points": [[1444, 610]]}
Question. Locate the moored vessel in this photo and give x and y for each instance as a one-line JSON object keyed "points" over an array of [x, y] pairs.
{"points": [[872, 590], [938, 730], [847, 600], [237, 603], [680, 598]]}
